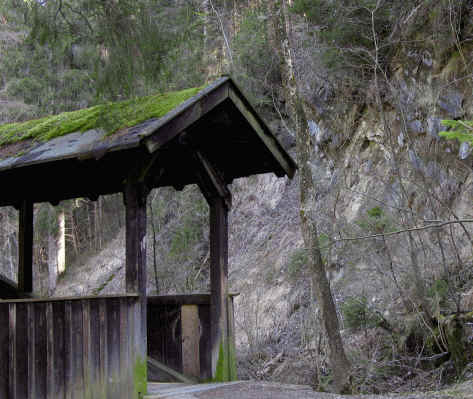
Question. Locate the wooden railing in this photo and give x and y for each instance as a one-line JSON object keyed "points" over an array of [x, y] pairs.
{"points": [[70, 348]]}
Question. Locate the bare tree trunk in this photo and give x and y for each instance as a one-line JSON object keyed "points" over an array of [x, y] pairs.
{"points": [[52, 263], [282, 26], [73, 229], [153, 232], [61, 243], [96, 224], [89, 224]]}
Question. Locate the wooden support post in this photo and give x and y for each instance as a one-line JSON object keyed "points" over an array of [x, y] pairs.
{"points": [[213, 187], [190, 327], [135, 202], [25, 250], [219, 333]]}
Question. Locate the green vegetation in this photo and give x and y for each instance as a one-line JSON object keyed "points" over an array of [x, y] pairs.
{"points": [[222, 371], [297, 263], [64, 56], [226, 363], [99, 289], [110, 117], [347, 32], [376, 221], [459, 130], [103, 59], [187, 234], [190, 229], [358, 315], [257, 66], [140, 376]]}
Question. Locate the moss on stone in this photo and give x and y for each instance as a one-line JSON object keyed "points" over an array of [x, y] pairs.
{"points": [[140, 378], [110, 117]]}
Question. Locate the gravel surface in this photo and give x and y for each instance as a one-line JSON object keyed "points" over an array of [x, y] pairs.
{"points": [[260, 390]]}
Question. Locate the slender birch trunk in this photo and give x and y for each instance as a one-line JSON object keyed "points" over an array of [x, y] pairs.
{"points": [[284, 40]]}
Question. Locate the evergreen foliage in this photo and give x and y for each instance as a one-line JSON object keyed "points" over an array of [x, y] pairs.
{"points": [[257, 65], [79, 53], [460, 130], [349, 31], [358, 315]]}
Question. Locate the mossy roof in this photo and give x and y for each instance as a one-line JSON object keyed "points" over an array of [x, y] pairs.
{"points": [[98, 148], [109, 117]]}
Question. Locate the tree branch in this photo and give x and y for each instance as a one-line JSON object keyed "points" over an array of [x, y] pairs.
{"points": [[227, 44], [437, 224]]}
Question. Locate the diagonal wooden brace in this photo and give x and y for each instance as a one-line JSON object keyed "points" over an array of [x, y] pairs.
{"points": [[211, 182]]}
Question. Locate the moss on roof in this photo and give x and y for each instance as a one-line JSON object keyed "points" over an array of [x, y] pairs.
{"points": [[110, 117]]}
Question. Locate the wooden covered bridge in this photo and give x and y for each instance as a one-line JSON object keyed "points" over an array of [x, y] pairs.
{"points": [[97, 347]]}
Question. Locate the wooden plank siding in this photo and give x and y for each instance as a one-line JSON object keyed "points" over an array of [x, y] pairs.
{"points": [[61, 349]]}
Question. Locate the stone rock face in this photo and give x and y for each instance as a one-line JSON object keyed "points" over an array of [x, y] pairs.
{"points": [[452, 103], [464, 151], [434, 126], [416, 126]]}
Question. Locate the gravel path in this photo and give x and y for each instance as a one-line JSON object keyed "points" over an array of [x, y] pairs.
{"points": [[258, 390], [264, 390]]}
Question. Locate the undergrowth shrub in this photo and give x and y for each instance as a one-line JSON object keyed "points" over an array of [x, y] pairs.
{"points": [[357, 314]]}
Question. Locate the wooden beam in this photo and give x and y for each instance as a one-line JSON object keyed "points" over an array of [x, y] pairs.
{"points": [[287, 165], [135, 195], [210, 180], [135, 207], [161, 367], [25, 250], [190, 338], [191, 299], [219, 334], [169, 128], [215, 179], [8, 289]]}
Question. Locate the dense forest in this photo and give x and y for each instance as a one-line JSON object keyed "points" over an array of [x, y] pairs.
{"points": [[356, 276]]}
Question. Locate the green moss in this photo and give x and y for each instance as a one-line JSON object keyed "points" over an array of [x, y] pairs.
{"points": [[222, 371], [140, 378], [110, 117], [98, 290], [226, 364]]}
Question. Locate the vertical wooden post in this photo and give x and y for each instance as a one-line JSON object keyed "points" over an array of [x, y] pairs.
{"points": [[135, 202], [231, 339], [25, 250], [219, 289], [190, 332]]}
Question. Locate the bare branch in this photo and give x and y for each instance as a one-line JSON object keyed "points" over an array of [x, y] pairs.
{"points": [[227, 44], [392, 233]]}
